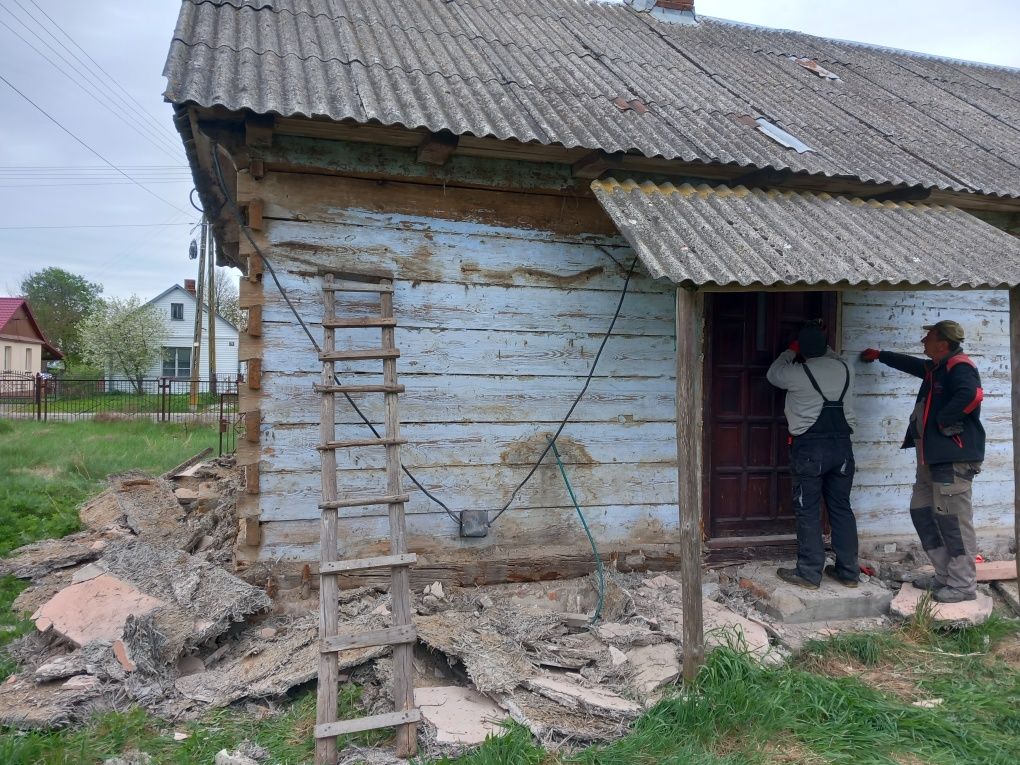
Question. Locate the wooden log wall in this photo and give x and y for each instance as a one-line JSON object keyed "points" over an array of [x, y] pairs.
{"points": [[498, 324], [885, 397]]}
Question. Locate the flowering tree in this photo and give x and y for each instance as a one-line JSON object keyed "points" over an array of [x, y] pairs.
{"points": [[124, 337]]}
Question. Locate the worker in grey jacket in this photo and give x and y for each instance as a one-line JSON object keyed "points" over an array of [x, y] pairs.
{"points": [[820, 417]]}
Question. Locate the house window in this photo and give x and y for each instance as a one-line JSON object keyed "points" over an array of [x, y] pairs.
{"points": [[28, 359], [7, 358], [177, 362], [177, 311]]}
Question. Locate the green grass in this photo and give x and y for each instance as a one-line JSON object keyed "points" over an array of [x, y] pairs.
{"points": [[49, 468], [121, 402], [285, 732]]}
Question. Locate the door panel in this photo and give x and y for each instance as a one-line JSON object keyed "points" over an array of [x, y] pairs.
{"points": [[746, 455]]}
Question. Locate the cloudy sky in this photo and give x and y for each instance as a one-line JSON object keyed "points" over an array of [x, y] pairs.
{"points": [[96, 69]]}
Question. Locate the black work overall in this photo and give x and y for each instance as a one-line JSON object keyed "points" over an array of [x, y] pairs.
{"points": [[822, 465]]}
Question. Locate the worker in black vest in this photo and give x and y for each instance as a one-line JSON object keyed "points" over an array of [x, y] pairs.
{"points": [[820, 418], [946, 432]]}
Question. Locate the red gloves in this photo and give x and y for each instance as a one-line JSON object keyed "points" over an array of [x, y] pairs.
{"points": [[795, 346], [869, 354]]}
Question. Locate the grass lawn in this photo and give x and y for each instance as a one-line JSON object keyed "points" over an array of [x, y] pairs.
{"points": [[850, 699]]}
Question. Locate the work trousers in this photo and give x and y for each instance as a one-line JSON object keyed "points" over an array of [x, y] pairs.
{"points": [[823, 467], [943, 515]]}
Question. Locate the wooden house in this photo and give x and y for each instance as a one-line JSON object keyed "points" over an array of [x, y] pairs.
{"points": [[23, 344], [506, 164]]}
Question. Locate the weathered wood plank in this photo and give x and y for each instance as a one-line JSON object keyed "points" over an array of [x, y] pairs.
{"points": [[496, 398], [293, 495], [328, 731], [402, 633], [922, 301], [363, 564], [475, 256], [450, 444], [467, 352], [296, 196], [432, 305], [436, 535], [1014, 354]]}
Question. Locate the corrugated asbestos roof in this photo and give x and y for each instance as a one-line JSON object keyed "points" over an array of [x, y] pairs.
{"points": [[550, 71], [735, 236]]}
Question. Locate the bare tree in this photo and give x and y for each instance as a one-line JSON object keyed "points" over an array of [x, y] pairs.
{"points": [[228, 304]]}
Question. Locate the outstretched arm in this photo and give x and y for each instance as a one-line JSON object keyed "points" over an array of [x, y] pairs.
{"points": [[901, 361]]}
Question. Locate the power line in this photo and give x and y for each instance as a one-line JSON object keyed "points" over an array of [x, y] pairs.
{"points": [[110, 77], [86, 87], [79, 140], [95, 225]]}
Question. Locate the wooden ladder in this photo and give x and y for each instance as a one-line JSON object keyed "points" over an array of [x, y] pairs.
{"points": [[402, 634]]}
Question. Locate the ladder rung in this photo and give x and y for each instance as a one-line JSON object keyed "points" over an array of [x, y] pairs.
{"points": [[405, 633], [328, 730], [357, 287], [361, 355], [358, 321], [359, 388], [360, 442], [360, 564], [391, 499]]}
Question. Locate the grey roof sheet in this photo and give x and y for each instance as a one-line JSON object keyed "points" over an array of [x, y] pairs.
{"points": [[549, 71], [735, 236]]}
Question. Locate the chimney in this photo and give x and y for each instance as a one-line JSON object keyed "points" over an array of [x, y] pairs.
{"points": [[189, 286]]}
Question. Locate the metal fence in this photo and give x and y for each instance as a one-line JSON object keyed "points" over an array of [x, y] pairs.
{"points": [[161, 399]]}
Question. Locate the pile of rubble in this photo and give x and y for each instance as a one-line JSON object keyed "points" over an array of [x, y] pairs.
{"points": [[145, 608]]}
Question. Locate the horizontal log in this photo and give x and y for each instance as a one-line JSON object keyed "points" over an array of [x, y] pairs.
{"points": [[434, 305], [449, 444], [469, 352], [469, 255], [436, 536], [484, 398], [296, 495]]}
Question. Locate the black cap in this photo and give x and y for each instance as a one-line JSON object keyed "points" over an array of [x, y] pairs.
{"points": [[812, 340]]}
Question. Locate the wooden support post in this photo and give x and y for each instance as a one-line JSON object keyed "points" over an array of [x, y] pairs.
{"points": [[254, 209], [689, 363], [1014, 362], [329, 613]]}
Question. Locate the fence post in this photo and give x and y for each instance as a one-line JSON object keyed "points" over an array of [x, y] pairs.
{"points": [[39, 382]]}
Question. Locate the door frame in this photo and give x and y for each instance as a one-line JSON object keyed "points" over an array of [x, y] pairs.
{"points": [[835, 322]]}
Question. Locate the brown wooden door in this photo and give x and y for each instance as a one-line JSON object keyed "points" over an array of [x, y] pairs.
{"points": [[747, 491]]}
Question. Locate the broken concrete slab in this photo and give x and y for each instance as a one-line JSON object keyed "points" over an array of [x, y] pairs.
{"points": [[831, 601], [969, 612], [724, 627], [548, 719], [26, 704], [654, 666], [460, 715], [494, 661], [102, 512], [40, 558], [200, 600], [95, 609], [60, 668], [568, 691]]}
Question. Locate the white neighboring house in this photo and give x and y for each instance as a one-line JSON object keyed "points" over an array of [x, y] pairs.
{"points": [[177, 306]]}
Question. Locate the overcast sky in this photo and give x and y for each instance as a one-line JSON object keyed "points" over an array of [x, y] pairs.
{"points": [[52, 186]]}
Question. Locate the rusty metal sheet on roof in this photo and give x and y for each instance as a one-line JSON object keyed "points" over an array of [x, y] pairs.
{"points": [[738, 237], [549, 72]]}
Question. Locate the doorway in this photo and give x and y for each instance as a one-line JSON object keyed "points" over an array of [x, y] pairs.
{"points": [[747, 476]]}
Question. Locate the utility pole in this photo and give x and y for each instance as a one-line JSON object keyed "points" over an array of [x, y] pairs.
{"points": [[212, 312], [196, 346]]}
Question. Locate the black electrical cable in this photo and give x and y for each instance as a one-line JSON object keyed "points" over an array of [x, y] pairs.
{"points": [[228, 201]]}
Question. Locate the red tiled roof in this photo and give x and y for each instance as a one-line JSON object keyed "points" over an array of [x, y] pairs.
{"points": [[9, 306]]}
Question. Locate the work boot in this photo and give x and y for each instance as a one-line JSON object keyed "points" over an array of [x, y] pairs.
{"points": [[830, 571], [791, 576], [928, 582], [952, 595]]}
